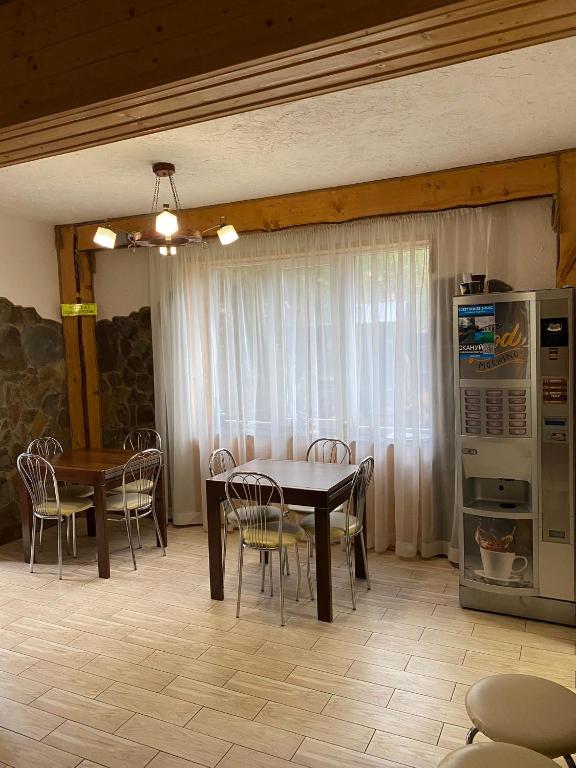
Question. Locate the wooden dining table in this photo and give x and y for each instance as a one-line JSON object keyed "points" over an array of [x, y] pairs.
{"points": [[102, 468], [304, 483]]}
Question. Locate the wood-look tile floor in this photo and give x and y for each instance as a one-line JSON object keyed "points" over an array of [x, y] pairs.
{"points": [[144, 669]]}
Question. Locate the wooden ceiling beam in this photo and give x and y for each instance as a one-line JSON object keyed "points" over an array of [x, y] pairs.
{"points": [[474, 185], [138, 68]]}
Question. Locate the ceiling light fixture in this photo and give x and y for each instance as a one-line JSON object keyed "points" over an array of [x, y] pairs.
{"points": [[105, 237], [167, 232]]}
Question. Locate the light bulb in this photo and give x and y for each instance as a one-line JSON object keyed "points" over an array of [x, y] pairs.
{"points": [[105, 237], [163, 250], [172, 250], [166, 223], [227, 234]]}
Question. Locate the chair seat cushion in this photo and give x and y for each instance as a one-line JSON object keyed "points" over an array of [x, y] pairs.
{"points": [[75, 491], [337, 523], [67, 507], [133, 487], [133, 501], [492, 755], [258, 537], [525, 710], [300, 510]]}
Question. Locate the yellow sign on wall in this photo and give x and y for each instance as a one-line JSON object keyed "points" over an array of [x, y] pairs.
{"points": [[78, 310]]}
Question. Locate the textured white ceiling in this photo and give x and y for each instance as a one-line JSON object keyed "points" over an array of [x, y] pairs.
{"points": [[501, 107]]}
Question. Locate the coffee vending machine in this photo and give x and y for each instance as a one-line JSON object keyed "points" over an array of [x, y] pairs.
{"points": [[514, 388]]}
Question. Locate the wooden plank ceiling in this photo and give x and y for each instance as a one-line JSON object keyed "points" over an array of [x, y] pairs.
{"points": [[79, 74]]}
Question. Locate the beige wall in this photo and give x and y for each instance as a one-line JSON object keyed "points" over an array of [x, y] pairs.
{"points": [[28, 265], [121, 282]]}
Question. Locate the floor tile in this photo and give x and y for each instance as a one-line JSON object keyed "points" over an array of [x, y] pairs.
{"points": [[247, 733], [409, 680], [282, 692], [230, 699], [316, 726], [83, 710], [241, 757], [319, 754], [20, 689], [341, 686], [406, 751], [296, 657], [175, 740], [353, 652], [108, 646], [164, 707], [131, 674], [103, 748], [426, 706], [384, 719], [196, 669], [43, 630], [24, 719], [55, 652], [21, 752], [65, 678], [273, 667], [96, 626]]}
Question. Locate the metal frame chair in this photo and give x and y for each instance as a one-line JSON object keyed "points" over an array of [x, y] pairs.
{"points": [[138, 492], [40, 480], [349, 524], [140, 439], [249, 495], [222, 460], [332, 451], [47, 447]]}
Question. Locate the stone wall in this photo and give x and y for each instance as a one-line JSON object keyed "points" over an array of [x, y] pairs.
{"points": [[126, 375], [33, 400]]}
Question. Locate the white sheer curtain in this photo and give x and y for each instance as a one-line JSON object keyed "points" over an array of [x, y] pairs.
{"points": [[336, 330]]}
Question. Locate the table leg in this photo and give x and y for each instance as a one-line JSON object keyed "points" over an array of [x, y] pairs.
{"points": [[323, 564], [102, 531], [214, 544], [161, 509], [26, 519], [359, 568]]}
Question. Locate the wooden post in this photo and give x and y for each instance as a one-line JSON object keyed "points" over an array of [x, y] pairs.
{"points": [[566, 273], [75, 275]]}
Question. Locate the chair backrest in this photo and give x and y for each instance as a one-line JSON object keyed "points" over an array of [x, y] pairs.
{"points": [[362, 479], [47, 447], [142, 470], [38, 476], [221, 460], [141, 439], [249, 494], [329, 450]]}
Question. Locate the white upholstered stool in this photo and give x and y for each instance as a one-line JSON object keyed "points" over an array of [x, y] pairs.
{"points": [[491, 755], [527, 711]]}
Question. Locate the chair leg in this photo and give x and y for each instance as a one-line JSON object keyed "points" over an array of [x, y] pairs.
{"points": [[224, 542], [308, 571], [282, 622], [68, 535], [74, 549], [470, 735], [270, 572], [351, 570], [138, 527], [41, 534], [297, 572], [128, 519], [33, 543], [365, 557], [240, 564], [569, 761], [263, 570], [157, 526], [60, 548], [286, 562]]}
